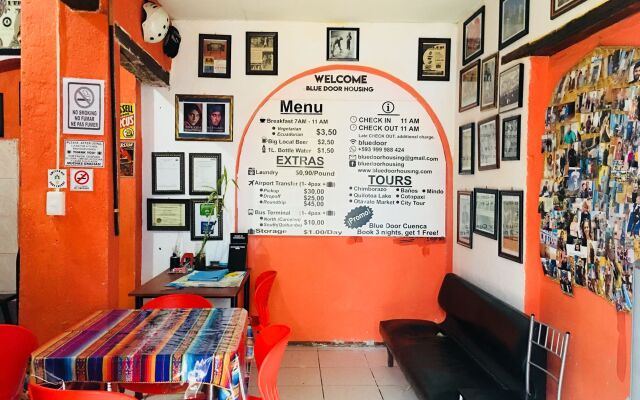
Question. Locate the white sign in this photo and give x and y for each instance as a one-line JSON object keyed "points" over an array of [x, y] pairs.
{"points": [[81, 180], [84, 153], [57, 178], [83, 108], [343, 153]]}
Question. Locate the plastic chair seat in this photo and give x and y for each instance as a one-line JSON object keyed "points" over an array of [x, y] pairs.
{"points": [[18, 343]]}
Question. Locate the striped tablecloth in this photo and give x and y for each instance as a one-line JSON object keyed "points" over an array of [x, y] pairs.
{"points": [[162, 345]]}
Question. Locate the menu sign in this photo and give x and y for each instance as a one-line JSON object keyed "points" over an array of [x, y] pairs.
{"points": [[342, 153]]}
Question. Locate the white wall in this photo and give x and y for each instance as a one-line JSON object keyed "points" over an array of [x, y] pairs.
{"points": [[388, 47], [9, 178]]}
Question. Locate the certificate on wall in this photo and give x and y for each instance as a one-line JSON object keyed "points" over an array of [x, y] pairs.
{"points": [[167, 173], [203, 221], [204, 173], [168, 214]]}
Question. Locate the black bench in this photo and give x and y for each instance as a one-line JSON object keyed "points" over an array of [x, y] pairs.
{"points": [[480, 347]]}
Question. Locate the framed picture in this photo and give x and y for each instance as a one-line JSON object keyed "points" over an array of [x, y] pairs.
{"points": [[10, 28], [469, 87], [168, 214], [343, 44], [473, 36], [559, 7], [485, 212], [465, 152], [465, 219], [202, 221], [204, 117], [167, 173], [433, 59], [488, 144], [510, 89], [214, 56], [511, 138], [204, 173], [514, 21], [489, 85], [510, 234], [262, 53]]}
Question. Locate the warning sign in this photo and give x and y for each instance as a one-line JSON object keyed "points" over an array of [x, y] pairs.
{"points": [[83, 106], [57, 178], [127, 121], [84, 153], [82, 180]]}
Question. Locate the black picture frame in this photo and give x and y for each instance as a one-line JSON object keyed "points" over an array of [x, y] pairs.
{"points": [[151, 226], [489, 81], [206, 128], [469, 144], [510, 219], [511, 150], [10, 29], [507, 16], [155, 156], [212, 49], [484, 143], [470, 49], [467, 76], [469, 243], [2, 115], [192, 160], [484, 228], [558, 11], [434, 55], [509, 95], [195, 220], [335, 36], [261, 53]]}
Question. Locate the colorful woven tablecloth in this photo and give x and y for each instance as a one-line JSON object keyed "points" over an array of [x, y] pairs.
{"points": [[162, 345]]}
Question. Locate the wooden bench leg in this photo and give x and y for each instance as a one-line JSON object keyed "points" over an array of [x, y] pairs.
{"points": [[389, 358]]}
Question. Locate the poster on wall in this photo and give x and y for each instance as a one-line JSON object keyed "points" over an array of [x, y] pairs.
{"points": [[342, 153], [127, 121], [10, 27], [127, 158], [83, 106]]}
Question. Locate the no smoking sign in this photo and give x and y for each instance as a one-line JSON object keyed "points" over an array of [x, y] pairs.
{"points": [[83, 101], [82, 180]]}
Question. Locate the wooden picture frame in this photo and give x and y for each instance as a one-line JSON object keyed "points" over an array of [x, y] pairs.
{"points": [[466, 149], [214, 56], [465, 219], [199, 218], [434, 55], [510, 88], [201, 167], [489, 143], [558, 8], [473, 36], [204, 117], [167, 173], [469, 87], [510, 232], [489, 82], [337, 50], [485, 212], [511, 132], [514, 21], [261, 53], [168, 214]]}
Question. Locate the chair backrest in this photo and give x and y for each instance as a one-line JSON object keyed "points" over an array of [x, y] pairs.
{"points": [[17, 345], [269, 349], [178, 301], [264, 282], [555, 343], [37, 392]]}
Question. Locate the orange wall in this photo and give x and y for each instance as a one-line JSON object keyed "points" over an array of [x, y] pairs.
{"points": [[9, 87], [599, 356]]}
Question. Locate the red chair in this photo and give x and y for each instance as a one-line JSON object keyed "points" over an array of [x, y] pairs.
{"points": [[264, 282], [269, 350], [42, 393], [17, 345]]}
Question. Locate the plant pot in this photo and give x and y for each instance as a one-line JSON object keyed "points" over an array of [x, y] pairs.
{"points": [[200, 263]]}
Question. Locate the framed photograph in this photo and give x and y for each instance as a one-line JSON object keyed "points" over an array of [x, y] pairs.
{"points": [[489, 85], [511, 138], [488, 144], [465, 151], [485, 212], [559, 7], [202, 221], [433, 59], [10, 28], [469, 93], [262, 53], [214, 56], [204, 172], [343, 44], [514, 21], [465, 219], [510, 234], [473, 36], [510, 88], [168, 214], [167, 173], [204, 117]]}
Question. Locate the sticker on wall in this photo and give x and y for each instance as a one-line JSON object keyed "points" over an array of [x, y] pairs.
{"points": [[84, 153], [57, 178], [127, 157], [83, 106], [127, 121], [82, 180]]}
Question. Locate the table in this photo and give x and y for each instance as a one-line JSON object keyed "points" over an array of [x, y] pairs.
{"points": [[157, 287], [150, 346]]}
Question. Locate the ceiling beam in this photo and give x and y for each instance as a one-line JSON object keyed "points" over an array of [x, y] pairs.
{"points": [[83, 5], [139, 62]]}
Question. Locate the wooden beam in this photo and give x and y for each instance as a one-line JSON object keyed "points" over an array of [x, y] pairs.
{"points": [[139, 62], [83, 5], [576, 30]]}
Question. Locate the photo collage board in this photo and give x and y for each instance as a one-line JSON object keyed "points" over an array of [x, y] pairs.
{"points": [[589, 199]]}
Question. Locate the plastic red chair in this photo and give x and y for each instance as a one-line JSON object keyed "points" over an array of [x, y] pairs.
{"points": [[269, 350], [42, 393], [17, 343], [264, 282]]}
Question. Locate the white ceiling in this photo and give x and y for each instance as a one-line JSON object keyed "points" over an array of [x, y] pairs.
{"points": [[329, 11]]}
